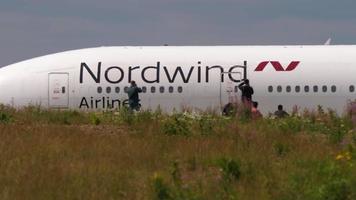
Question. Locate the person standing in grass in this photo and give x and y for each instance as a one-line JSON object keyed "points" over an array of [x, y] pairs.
{"points": [[134, 100], [280, 113], [246, 93], [255, 113]]}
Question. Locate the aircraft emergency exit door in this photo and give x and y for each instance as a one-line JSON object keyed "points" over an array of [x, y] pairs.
{"points": [[58, 91]]}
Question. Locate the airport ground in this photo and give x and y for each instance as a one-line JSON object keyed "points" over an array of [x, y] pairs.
{"points": [[149, 155]]}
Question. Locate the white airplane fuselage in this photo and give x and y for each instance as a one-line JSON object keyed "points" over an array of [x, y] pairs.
{"points": [[184, 77]]}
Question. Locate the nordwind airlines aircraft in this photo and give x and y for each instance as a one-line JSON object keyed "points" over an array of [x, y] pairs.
{"points": [[184, 77]]}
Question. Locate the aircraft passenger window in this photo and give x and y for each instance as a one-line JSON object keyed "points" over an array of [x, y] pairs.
{"points": [[325, 88], [352, 88], [270, 88], [161, 89], [315, 88], [144, 89], [100, 90], [126, 89], [180, 89], [117, 89], [153, 89], [333, 88], [306, 88], [279, 88], [288, 89], [170, 89], [297, 89], [108, 90]]}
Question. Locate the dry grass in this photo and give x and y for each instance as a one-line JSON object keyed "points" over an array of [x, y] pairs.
{"points": [[70, 155]]}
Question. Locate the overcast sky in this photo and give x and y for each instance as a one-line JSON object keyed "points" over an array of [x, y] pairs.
{"points": [[30, 28]]}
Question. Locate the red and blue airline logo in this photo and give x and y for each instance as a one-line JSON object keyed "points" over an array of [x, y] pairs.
{"points": [[277, 66]]}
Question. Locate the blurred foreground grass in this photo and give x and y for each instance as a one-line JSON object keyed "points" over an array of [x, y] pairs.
{"points": [[149, 155]]}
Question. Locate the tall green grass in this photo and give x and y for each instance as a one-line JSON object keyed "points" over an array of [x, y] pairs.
{"points": [[51, 154]]}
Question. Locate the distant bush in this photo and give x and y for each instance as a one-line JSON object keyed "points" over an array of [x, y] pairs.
{"points": [[126, 116], [327, 123], [230, 172], [5, 118], [206, 125], [6, 114], [161, 189], [94, 119], [176, 190], [230, 169], [177, 124], [145, 116]]}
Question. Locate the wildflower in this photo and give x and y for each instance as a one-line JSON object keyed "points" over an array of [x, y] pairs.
{"points": [[339, 157], [344, 156]]}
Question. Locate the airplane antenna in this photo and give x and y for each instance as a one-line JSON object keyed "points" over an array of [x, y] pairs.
{"points": [[328, 42]]}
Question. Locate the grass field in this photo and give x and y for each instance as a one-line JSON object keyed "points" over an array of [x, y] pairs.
{"points": [[150, 155]]}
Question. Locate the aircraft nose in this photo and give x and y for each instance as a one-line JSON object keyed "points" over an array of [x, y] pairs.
{"points": [[2, 93], [5, 87]]}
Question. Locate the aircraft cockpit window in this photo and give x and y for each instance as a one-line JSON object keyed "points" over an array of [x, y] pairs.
{"points": [[161, 89], [306, 88], [117, 89], [100, 90], [180, 89], [297, 89], [144, 89], [315, 88], [279, 88], [324, 88], [288, 89], [270, 88], [170, 89], [333, 88], [108, 90], [153, 89], [352, 88]]}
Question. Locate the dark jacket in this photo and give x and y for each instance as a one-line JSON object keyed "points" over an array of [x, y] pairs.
{"points": [[246, 91], [281, 114], [133, 96]]}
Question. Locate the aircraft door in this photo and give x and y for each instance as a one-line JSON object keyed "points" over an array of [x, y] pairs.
{"points": [[229, 92], [58, 90]]}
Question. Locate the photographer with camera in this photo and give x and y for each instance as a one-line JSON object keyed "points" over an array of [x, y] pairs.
{"points": [[246, 92]]}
